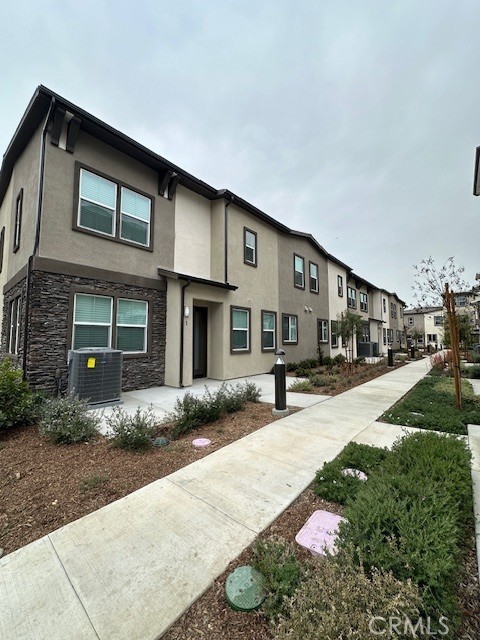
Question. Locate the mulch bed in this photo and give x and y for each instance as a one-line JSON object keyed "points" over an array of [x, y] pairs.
{"points": [[44, 486]]}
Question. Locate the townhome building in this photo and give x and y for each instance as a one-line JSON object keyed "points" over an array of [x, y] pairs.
{"points": [[424, 325], [104, 243]]}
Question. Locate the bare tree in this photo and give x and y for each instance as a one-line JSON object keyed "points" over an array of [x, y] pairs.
{"points": [[434, 286]]}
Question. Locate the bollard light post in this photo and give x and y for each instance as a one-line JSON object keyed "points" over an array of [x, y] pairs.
{"points": [[280, 385], [390, 355], [412, 352]]}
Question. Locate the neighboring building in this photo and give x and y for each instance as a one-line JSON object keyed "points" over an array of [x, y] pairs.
{"points": [[105, 243], [427, 324]]}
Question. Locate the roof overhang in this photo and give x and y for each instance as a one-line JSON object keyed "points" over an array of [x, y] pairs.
{"points": [[174, 275]]}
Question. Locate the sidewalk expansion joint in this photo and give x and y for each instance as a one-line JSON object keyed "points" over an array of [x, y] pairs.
{"points": [[73, 588], [212, 506]]}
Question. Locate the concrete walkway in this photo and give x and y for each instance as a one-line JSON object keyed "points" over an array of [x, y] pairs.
{"points": [[130, 569], [161, 400]]}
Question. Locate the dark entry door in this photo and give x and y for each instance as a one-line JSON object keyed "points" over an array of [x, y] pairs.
{"points": [[200, 331]]}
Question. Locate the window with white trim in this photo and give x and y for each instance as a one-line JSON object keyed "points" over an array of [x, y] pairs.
{"points": [[132, 322], [351, 298], [393, 310], [14, 314], [322, 330], [92, 321], [102, 321], [299, 271], [240, 329], [113, 210], [431, 337], [135, 212], [334, 333], [363, 302], [313, 277], [438, 321], [269, 321], [249, 247], [340, 286], [289, 328], [411, 322]]}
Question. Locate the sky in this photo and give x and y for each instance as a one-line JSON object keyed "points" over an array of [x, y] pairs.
{"points": [[353, 120]]}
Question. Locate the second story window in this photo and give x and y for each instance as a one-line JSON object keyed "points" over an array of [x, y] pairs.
{"points": [[351, 298], [249, 247], [114, 210], [384, 305], [17, 229], [438, 321], [410, 322], [364, 302], [2, 247], [299, 271], [340, 286], [313, 277], [393, 310]]}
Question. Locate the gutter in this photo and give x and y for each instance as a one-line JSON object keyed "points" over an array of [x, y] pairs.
{"points": [[36, 243], [182, 329]]}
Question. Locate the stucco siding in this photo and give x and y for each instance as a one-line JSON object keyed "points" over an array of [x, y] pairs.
{"points": [[192, 233]]}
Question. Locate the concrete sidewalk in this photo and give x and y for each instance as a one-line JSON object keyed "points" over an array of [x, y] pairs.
{"points": [[130, 569], [161, 400]]}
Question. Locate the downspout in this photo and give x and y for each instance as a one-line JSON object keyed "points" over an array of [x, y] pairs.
{"points": [[36, 243], [225, 221], [182, 328]]}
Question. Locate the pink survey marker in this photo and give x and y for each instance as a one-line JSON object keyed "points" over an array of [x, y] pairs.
{"points": [[201, 442], [319, 533]]}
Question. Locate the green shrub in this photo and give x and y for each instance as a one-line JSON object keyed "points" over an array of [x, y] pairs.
{"points": [[291, 366], [18, 405], [339, 600], [328, 361], [132, 432], [330, 482], [192, 411], [302, 372], [308, 363], [339, 358], [431, 405], [301, 386], [277, 561], [66, 420], [411, 517], [319, 380], [472, 372]]}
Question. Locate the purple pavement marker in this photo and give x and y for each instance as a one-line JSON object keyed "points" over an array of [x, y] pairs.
{"points": [[356, 473], [201, 442]]}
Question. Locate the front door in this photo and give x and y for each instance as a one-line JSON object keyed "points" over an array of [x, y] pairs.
{"points": [[200, 332]]}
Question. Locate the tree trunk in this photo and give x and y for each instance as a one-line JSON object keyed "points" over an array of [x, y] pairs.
{"points": [[454, 343]]}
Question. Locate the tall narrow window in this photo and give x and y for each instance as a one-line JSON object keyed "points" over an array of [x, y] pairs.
{"points": [[249, 247], [240, 336], [92, 321], [384, 336], [313, 277], [14, 325], [17, 229], [363, 302], [96, 209], [2, 247], [135, 217], [340, 286], [299, 271], [322, 330], [132, 325], [384, 306], [410, 322], [334, 333], [351, 298], [269, 321], [289, 328]]}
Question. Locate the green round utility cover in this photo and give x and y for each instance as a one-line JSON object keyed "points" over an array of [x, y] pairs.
{"points": [[160, 442], [244, 589]]}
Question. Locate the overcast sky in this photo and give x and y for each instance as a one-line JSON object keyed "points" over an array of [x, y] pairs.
{"points": [[353, 120]]}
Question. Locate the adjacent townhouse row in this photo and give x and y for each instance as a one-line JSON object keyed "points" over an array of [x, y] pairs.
{"points": [[424, 326], [105, 243]]}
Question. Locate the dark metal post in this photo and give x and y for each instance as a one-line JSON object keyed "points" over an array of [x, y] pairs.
{"points": [[412, 352], [280, 385], [390, 356]]}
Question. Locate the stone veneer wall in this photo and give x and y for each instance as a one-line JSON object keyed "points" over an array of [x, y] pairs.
{"points": [[50, 312]]}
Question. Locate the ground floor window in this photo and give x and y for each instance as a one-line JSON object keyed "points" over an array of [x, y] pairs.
{"points": [[14, 314], [322, 330], [240, 335], [105, 321], [334, 333], [269, 330], [431, 337], [384, 336], [289, 328]]}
